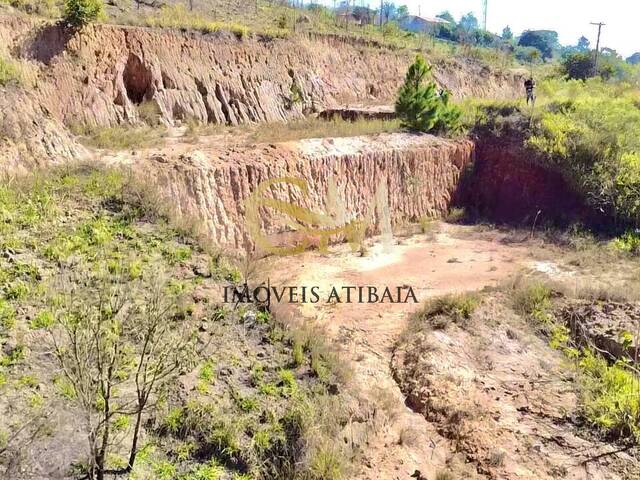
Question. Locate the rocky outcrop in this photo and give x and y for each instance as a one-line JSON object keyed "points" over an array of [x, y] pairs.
{"points": [[419, 173]]}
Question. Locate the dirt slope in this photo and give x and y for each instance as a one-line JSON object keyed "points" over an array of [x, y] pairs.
{"points": [[514, 397]]}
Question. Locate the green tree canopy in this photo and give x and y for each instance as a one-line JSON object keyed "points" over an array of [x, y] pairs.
{"points": [[579, 65], [446, 15], [634, 59], [544, 40], [610, 52], [402, 11], [484, 38], [388, 11], [584, 45], [364, 14], [507, 34], [469, 22]]}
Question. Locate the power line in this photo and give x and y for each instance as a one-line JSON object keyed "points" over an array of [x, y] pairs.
{"points": [[599, 25]]}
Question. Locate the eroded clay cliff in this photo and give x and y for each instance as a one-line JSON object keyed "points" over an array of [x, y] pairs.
{"points": [[419, 172], [100, 75], [30, 136]]}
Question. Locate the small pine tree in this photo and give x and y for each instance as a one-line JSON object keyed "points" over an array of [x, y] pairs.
{"points": [[79, 13], [420, 106]]}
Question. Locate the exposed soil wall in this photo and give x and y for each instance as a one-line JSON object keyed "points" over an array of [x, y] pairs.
{"points": [[420, 173], [30, 137], [506, 184], [103, 73]]}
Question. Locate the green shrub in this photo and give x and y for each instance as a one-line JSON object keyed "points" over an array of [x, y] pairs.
{"points": [[208, 372], [174, 420], [579, 66], [177, 16], [17, 72], [225, 438], [79, 13], [210, 471], [164, 470], [628, 242], [268, 389], [328, 463], [533, 300], [185, 450], [420, 106], [47, 8], [247, 404], [177, 255], [17, 290], [263, 317], [14, 357], [261, 440], [319, 367], [610, 396], [288, 382], [64, 387], [297, 353]]}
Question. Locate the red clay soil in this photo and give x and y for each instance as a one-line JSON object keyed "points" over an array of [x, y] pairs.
{"points": [[508, 185]]}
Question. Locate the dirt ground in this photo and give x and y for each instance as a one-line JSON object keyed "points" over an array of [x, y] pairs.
{"points": [[508, 381]]}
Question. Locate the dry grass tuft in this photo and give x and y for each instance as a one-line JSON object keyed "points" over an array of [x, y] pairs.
{"points": [[120, 137], [440, 312], [316, 128]]}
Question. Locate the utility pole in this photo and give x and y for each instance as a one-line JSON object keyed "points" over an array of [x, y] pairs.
{"points": [[599, 25], [485, 9]]}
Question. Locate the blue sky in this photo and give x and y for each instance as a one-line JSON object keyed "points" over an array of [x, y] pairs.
{"points": [[570, 18]]}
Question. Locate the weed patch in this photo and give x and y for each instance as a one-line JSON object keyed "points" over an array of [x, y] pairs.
{"points": [[15, 72], [90, 244], [440, 312], [610, 396]]}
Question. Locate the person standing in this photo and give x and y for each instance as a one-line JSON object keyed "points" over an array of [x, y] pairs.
{"points": [[529, 86]]}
